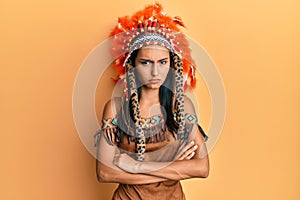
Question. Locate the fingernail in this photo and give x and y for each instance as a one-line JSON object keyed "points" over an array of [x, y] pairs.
{"points": [[192, 142], [196, 147]]}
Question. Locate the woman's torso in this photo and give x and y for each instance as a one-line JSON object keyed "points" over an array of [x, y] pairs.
{"points": [[163, 150]]}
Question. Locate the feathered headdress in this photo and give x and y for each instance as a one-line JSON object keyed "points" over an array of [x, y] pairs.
{"points": [[151, 26]]}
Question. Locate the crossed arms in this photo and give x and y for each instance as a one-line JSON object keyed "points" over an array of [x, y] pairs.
{"points": [[112, 166]]}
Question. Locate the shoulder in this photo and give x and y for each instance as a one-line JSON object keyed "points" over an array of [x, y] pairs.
{"points": [[188, 105], [112, 107]]}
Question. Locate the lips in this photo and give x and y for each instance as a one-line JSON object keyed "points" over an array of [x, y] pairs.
{"points": [[154, 81]]}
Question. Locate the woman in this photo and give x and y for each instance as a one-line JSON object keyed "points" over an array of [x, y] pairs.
{"points": [[150, 139]]}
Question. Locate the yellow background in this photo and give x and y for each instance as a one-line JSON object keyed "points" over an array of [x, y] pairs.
{"points": [[255, 45]]}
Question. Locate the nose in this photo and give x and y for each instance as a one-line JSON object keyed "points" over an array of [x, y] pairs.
{"points": [[154, 71]]}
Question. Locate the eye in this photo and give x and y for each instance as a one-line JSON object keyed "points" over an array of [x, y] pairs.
{"points": [[163, 62], [145, 62]]}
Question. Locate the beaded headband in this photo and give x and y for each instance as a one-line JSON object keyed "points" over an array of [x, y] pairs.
{"points": [[149, 39]]}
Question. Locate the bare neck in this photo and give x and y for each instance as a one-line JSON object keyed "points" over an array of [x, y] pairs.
{"points": [[149, 96]]}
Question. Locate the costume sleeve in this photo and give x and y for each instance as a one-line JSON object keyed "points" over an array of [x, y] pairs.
{"points": [[110, 131], [192, 120]]}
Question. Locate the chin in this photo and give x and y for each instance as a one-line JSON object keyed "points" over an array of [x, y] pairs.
{"points": [[153, 86]]}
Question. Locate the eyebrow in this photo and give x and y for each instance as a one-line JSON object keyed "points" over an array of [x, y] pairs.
{"points": [[145, 59]]}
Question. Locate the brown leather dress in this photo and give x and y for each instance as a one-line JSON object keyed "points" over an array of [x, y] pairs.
{"points": [[167, 190], [161, 147]]}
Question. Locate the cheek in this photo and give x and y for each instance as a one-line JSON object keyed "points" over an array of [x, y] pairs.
{"points": [[141, 73], [165, 71]]}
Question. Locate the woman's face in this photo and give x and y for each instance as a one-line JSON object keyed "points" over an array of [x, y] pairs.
{"points": [[152, 65]]}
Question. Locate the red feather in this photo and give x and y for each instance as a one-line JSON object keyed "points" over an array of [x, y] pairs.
{"points": [[178, 21]]}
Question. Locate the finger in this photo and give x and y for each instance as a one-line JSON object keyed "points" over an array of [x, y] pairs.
{"points": [[185, 147], [182, 146], [190, 156], [187, 153], [180, 151], [188, 147], [193, 152], [181, 157]]}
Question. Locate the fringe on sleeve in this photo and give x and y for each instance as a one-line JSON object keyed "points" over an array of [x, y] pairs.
{"points": [[109, 130]]}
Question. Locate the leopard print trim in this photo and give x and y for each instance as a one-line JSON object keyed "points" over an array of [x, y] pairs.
{"points": [[179, 98], [133, 95]]}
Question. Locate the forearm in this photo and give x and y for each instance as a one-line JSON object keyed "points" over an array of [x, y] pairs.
{"points": [[198, 167], [108, 174], [107, 171], [179, 170]]}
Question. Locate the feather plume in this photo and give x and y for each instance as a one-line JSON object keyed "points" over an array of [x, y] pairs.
{"points": [[153, 16]]}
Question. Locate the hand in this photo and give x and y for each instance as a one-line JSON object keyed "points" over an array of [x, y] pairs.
{"points": [[126, 163], [187, 151]]}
